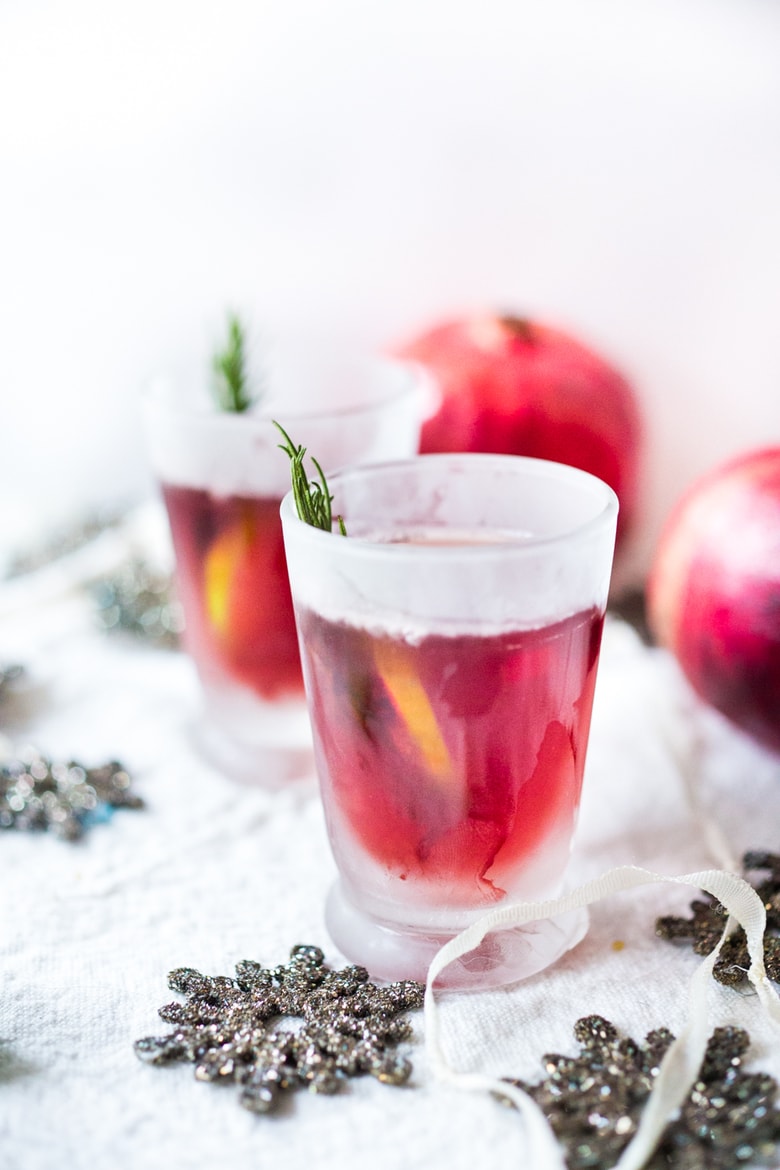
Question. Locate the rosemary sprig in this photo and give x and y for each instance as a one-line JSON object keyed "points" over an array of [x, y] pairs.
{"points": [[231, 387], [312, 500]]}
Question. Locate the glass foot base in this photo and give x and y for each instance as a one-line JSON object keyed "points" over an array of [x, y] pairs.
{"points": [[503, 957], [261, 765]]}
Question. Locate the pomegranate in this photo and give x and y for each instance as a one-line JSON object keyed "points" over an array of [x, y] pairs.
{"points": [[513, 386], [714, 591]]}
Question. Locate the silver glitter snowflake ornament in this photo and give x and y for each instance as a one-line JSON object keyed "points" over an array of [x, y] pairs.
{"points": [[708, 919], [229, 1027], [11, 674], [140, 601], [593, 1102], [62, 797], [63, 541]]}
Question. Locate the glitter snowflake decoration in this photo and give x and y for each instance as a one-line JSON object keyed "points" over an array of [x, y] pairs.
{"points": [[230, 1027], [140, 601], [705, 927], [593, 1102], [62, 797], [11, 673]]}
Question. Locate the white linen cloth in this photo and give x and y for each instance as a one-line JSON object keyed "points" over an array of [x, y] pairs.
{"points": [[211, 872]]}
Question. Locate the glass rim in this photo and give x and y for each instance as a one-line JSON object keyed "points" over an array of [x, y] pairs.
{"points": [[157, 395], [539, 468]]}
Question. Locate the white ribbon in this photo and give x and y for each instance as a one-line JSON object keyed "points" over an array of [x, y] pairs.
{"points": [[681, 1064]]}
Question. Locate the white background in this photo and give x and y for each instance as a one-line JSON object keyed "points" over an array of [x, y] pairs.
{"points": [[362, 168]]}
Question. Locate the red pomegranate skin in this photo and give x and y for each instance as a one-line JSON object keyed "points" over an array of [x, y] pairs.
{"points": [[713, 594], [513, 386]]}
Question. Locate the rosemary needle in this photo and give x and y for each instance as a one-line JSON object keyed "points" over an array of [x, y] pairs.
{"points": [[231, 387], [312, 499]]}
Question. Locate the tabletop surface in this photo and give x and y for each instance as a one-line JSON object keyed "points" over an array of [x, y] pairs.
{"points": [[209, 873]]}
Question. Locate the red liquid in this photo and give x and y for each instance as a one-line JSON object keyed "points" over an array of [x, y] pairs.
{"points": [[233, 584], [454, 758]]}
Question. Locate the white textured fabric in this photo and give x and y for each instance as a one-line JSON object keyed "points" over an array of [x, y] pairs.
{"points": [[212, 872]]}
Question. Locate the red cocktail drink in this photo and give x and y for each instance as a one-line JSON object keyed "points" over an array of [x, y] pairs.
{"points": [[452, 765], [232, 580], [223, 477], [450, 644]]}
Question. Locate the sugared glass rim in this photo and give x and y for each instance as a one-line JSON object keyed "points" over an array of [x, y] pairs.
{"points": [[162, 396], [542, 469]]}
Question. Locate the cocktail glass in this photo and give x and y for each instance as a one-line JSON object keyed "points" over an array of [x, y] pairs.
{"points": [[450, 643], [222, 477]]}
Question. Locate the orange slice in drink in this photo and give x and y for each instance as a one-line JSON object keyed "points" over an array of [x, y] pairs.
{"points": [[412, 704], [247, 607], [222, 566]]}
